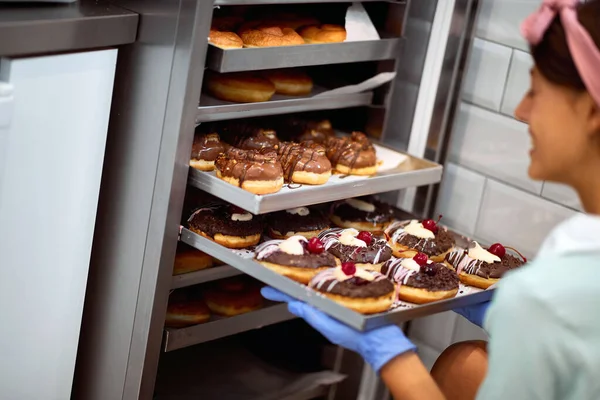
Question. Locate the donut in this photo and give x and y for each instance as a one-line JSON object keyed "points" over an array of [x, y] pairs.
{"points": [[361, 248], [205, 150], [407, 238], [353, 155], [185, 310], [269, 35], [421, 280], [256, 139], [227, 225], [481, 267], [189, 259], [233, 296], [317, 132], [303, 165], [320, 34], [254, 171], [296, 257], [225, 40], [240, 87], [291, 82], [363, 213], [302, 221], [366, 292]]}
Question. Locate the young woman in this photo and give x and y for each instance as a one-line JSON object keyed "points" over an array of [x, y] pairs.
{"points": [[543, 321]]}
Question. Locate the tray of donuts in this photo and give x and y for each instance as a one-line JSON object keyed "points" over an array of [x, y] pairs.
{"points": [[359, 260], [276, 38], [265, 166]]}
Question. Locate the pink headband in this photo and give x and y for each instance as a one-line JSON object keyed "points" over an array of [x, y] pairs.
{"points": [[584, 51]]}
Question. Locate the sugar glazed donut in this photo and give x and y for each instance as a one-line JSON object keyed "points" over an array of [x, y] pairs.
{"points": [[302, 164], [189, 259], [361, 248], [297, 257], [363, 213], [225, 40], [185, 309], [290, 81], [205, 150], [302, 221], [321, 34], [481, 267], [227, 225], [258, 172], [233, 296], [407, 238], [240, 87], [366, 292], [268, 35], [421, 280]]}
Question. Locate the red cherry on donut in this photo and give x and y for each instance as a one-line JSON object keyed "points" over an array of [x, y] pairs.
{"points": [[497, 249], [349, 268], [366, 237], [421, 259], [315, 246], [430, 225]]}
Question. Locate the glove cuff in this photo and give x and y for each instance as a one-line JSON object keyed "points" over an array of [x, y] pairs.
{"points": [[380, 346]]}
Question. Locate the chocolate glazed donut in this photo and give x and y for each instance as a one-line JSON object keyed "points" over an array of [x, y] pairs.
{"points": [[258, 139], [304, 165], [205, 150], [353, 155], [258, 172]]}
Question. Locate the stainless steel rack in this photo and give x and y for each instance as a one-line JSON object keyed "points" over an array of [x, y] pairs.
{"points": [[412, 172], [205, 275], [262, 2], [301, 56], [341, 313], [221, 327], [211, 109]]}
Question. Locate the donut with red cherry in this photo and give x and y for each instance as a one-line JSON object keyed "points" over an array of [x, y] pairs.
{"points": [[363, 291], [360, 247], [297, 257], [421, 280], [481, 267], [408, 238]]}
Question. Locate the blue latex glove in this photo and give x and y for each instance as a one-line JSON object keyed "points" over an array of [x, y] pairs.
{"points": [[475, 313], [377, 347]]}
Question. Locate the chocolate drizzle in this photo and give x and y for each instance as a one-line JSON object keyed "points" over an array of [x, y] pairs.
{"points": [[460, 260], [207, 147], [295, 157], [383, 212], [377, 252], [327, 282], [442, 242], [217, 219], [253, 165], [433, 277], [284, 222], [353, 152], [270, 252]]}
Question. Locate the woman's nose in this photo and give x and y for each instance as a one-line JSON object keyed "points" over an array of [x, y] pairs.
{"points": [[523, 110]]}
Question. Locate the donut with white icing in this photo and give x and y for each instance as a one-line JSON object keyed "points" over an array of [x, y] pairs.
{"points": [[408, 238], [361, 248], [302, 221], [366, 292]]}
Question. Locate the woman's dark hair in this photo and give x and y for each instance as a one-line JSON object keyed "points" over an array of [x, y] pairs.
{"points": [[552, 56]]}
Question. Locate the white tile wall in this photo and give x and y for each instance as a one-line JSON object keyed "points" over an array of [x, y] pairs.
{"points": [[499, 21], [486, 74], [518, 81], [517, 218], [562, 194], [459, 198], [493, 145]]}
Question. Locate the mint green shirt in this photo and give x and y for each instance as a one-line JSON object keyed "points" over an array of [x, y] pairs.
{"points": [[544, 321]]}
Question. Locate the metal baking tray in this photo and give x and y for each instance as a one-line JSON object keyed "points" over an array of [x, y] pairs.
{"points": [[399, 171], [211, 109], [243, 261], [305, 55], [220, 327], [205, 275], [260, 2]]}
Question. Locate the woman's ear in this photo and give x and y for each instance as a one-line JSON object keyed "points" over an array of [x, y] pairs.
{"points": [[593, 117]]}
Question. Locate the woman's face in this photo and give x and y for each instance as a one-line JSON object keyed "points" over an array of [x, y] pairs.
{"points": [[563, 130]]}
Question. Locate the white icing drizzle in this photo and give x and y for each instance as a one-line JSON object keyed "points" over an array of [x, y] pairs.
{"points": [[293, 246], [265, 249], [410, 264], [348, 238], [211, 208], [302, 211], [462, 262], [477, 252], [241, 217], [333, 276], [361, 205], [398, 273], [399, 233]]}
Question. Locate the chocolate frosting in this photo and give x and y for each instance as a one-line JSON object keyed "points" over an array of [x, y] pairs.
{"points": [[284, 222], [362, 255], [355, 151], [383, 212], [307, 260], [258, 139], [442, 242], [481, 268], [249, 165], [207, 147], [217, 219], [295, 157], [433, 277], [357, 288], [317, 131]]}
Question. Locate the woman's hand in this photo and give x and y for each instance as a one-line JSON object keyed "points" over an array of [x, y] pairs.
{"points": [[377, 347], [475, 313]]}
